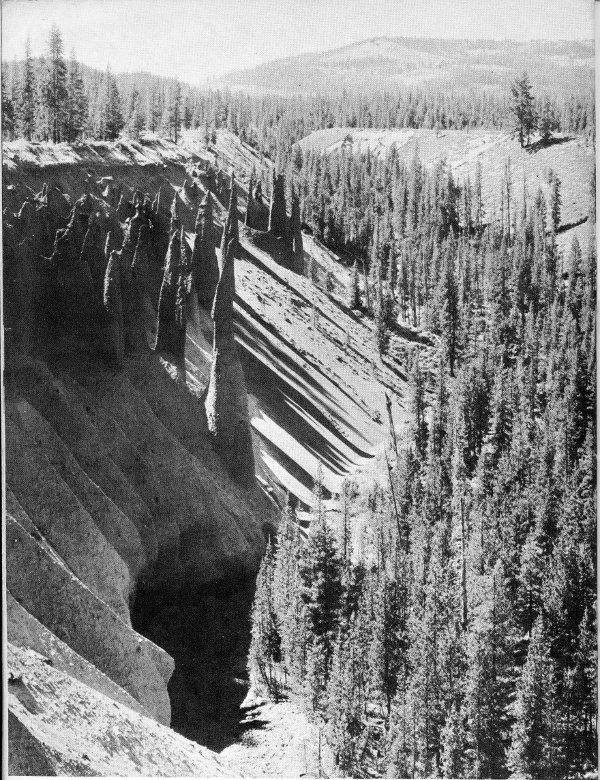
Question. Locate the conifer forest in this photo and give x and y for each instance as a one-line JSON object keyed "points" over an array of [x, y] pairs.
{"points": [[430, 606]]}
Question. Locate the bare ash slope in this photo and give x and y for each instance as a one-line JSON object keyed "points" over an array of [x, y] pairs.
{"points": [[316, 387]]}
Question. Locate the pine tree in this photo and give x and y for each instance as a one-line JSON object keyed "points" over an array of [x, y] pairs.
{"points": [[135, 119], [77, 103], [112, 114], [320, 573], [8, 109], [54, 87], [548, 121], [536, 744], [555, 203], [175, 112], [27, 97], [265, 646], [522, 106]]}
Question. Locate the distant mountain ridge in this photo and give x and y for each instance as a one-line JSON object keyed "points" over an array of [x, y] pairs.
{"points": [[391, 63]]}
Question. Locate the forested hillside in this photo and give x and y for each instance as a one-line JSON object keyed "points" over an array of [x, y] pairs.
{"points": [[393, 63], [443, 622], [57, 98]]}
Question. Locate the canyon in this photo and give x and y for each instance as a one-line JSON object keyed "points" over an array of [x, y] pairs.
{"points": [[172, 373]]}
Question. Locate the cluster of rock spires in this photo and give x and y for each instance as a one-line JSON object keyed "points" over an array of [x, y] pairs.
{"points": [[264, 216], [90, 281], [118, 275]]}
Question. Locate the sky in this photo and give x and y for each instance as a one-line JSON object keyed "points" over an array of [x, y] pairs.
{"points": [[196, 40]]}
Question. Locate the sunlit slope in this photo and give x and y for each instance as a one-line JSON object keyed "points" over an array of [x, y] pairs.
{"points": [[571, 159]]}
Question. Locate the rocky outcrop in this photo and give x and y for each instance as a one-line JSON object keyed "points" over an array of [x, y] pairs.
{"points": [[113, 307], [71, 283], [205, 267], [53, 595], [133, 312], [58, 205], [221, 186], [59, 725], [140, 290], [124, 209], [257, 213], [231, 230], [171, 325], [175, 218], [94, 251], [226, 398], [278, 222]]}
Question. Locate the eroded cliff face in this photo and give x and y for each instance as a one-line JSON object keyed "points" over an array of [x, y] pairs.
{"points": [[119, 491], [146, 456]]}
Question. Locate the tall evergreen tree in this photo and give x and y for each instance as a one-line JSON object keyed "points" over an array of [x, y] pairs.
{"points": [[27, 96], [523, 108], [54, 87]]}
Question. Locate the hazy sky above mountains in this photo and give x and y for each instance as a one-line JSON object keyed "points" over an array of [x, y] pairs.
{"points": [[196, 39]]}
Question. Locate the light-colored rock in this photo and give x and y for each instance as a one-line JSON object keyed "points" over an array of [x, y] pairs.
{"points": [[60, 726], [49, 591]]}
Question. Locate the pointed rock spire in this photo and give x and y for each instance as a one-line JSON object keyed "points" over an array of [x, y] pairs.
{"points": [[226, 400], [204, 259], [124, 209], [251, 204], [156, 205], [93, 252], [231, 230], [278, 224], [175, 218], [139, 287], [297, 247], [170, 336], [113, 307], [133, 331]]}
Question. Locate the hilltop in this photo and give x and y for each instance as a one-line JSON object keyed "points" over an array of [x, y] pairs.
{"points": [[394, 63]]}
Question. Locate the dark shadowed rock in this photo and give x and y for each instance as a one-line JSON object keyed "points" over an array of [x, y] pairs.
{"points": [[113, 307], [58, 204], [92, 249], [141, 304], [257, 213], [26, 219], [171, 321], [221, 186], [175, 216], [71, 308], [133, 323], [226, 400], [205, 267], [124, 209], [278, 223]]}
